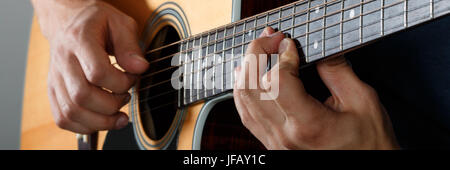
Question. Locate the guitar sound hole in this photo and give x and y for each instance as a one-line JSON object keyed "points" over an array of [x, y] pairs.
{"points": [[224, 130], [157, 97]]}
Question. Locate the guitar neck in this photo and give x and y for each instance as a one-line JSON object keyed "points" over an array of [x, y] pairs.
{"points": [[322, 28]]}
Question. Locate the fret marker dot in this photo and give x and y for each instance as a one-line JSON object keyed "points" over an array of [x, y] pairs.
{"points": [[352, 13], [316, 44], [317, 10]]}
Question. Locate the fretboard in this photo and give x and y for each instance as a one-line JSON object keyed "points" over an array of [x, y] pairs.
{"points": [[322, 27]]}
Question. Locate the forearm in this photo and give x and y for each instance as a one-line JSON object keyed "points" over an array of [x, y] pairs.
{"points": [[54, 15]]}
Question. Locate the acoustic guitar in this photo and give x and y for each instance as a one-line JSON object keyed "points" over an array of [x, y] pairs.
{"points": [[186, 41]]}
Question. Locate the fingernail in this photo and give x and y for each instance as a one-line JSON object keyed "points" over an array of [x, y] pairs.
{"points": [[284, 45], [139, 57], [122, 122]]}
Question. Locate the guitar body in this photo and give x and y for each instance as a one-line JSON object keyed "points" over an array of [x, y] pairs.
{"points": [[213, 124]]}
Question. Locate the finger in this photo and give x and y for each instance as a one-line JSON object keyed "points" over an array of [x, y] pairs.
{"points": [[291, 87], [98, 69], [253, 65], [126, 48], [89, 119], [341, 81], [267, 31], [62, 122], [248, 120], [86, 95]]}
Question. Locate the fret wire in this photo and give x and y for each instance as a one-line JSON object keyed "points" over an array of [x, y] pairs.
{"points": [[382, 17], [307, 30], [180, 92], [309, 21], [185, 74], [214, 70], [244, 20], [206, 66], [279, 18], [370, 12], [323, 30], [344, 20], [405, 13], [295, 38], [293, 4], [361, 22], [232, 57], [199, 67], [341, 35], [243, 44], [293, 20], [299, 47], [254, 28], [431, 9], [192, 75], [223, 56], [337, 47]]}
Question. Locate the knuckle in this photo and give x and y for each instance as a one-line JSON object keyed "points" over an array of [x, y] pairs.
{"points": [[307, 134], [60, 50], [68, 112], [78, 95], [74, 33], [287, 143], [61, 122], [96, 7], [95, 75]]}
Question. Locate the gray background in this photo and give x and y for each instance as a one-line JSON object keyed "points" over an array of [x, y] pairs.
{"points": [[15, 23]]}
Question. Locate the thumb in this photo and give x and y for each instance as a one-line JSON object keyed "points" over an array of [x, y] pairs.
{"points": [[126, 49], [342, 82]]}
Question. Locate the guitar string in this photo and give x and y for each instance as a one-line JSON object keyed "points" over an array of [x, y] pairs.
{"points": [[220, 76], [257, 27], [241, 56], [197, 71], [157, 107], [243, 21], [316, 31], [244, 41], [254, 18], [287, 29]]}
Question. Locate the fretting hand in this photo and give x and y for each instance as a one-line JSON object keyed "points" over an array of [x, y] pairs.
{"points": [[352, 118]]}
